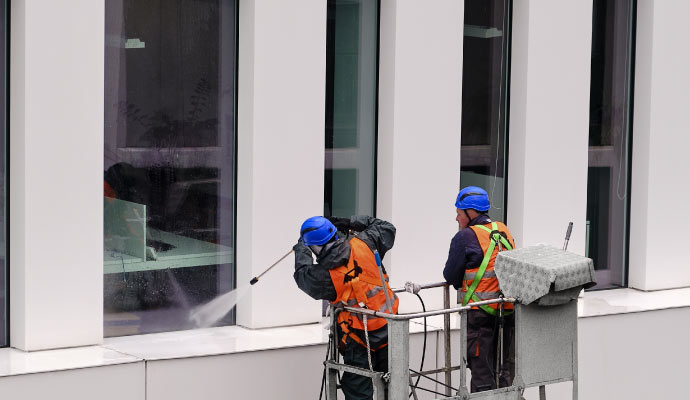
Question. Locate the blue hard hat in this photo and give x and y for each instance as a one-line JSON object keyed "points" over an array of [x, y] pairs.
{"points": [[473, 197], [317, 231]]}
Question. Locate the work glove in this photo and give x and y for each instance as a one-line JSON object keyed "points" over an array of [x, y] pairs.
{"points": [[300, 247], [302, 255], [341, 224]]}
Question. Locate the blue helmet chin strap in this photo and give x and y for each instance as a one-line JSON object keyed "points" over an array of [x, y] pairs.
{"points": [[468, 215]]}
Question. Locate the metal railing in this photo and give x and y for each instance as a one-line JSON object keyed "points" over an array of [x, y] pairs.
{"points": [[399, 378]]}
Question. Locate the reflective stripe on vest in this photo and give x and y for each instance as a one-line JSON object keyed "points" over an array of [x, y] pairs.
{"points": [[481, 283], [358, 284], [487, 274]]}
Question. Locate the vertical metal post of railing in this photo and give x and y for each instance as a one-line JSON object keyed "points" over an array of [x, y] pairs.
{"points": [[332, 374], [398, 358], [463, 390], [446, 332], [576, 378]]}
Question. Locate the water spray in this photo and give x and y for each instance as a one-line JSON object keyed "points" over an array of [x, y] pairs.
{"points": [[208, 314]]}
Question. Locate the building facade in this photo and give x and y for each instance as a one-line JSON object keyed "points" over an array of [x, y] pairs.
{"points": [[218, 127]]}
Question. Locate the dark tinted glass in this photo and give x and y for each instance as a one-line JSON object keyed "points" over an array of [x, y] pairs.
{"points": [[169, 161], [351, 73], [485, 75], [4, 326], [609, 140]]}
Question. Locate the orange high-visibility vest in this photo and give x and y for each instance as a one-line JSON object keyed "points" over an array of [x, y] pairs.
{"points": [[487, 287], [358, 284]]}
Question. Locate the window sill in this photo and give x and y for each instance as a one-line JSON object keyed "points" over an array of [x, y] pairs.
{"points": [[236, 339], [232, 339], [17, 362], [625, 301]]}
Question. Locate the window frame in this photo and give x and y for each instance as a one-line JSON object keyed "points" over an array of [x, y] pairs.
{"points": [[629, 137], [6, 126], [505, 104], [231, 316], [375, 133]]}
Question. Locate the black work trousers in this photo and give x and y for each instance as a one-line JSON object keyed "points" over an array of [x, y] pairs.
{"points": [[358, 387], [482, 342]]}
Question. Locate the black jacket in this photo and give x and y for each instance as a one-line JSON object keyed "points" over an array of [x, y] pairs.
{"points": [[314, 278]]}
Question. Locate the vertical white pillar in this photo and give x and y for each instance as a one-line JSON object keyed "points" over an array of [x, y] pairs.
{"points": [[549, 121], [281, 103], [56, 173], [660, 141], [420, 93]]}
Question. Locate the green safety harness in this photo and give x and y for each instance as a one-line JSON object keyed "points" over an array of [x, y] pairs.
{"points": [[496, 238]]}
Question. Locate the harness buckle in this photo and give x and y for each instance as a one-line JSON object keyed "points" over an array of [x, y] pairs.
{"points": [[495, 236]]}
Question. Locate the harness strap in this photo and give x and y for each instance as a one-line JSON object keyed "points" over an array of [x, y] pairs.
{"points": [[493, 233], [364, 278], [344, 325], [346, 293], [355, 285], [496, 237], [490, 310], [358, 288]]}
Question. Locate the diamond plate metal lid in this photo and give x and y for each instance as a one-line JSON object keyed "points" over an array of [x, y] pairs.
{"points": [[528, 273]]}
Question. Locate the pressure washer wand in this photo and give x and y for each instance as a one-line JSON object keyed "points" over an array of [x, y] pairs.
{"points": [[567, 236], [256, 278], [389, 304]]}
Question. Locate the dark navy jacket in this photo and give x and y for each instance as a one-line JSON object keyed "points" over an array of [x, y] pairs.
{"points": [[465, 253]]}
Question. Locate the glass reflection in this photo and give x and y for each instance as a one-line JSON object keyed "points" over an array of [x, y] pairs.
{"points": [[609, 140], [169, 161], [485, 98], [4, 306], [351, 74]]}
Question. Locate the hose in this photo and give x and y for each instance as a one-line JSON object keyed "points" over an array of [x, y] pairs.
{"points": [[421, 366]]}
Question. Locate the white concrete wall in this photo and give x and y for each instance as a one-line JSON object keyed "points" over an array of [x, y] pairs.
{"points": [[549, 121], [118, 382], [291, 373], [281, 98], [621, 356], [420, 93], [57, 132], [56, 171], [660, 142], [634, 356], [279, 374]]}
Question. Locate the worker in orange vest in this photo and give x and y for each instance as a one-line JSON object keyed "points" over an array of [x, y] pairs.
{"points": [[346, 272], [470, 268]]}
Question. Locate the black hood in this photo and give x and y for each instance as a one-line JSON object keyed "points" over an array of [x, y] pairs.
{"points": [[336, 255]]}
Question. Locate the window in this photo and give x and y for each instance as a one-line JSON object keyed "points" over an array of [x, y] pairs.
{"points": [[169, 164], [485, 73], [4, 305], [351, 96], [610, 119]]}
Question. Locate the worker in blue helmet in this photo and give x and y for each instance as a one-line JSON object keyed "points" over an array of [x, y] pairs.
{"points": [[470, 268], [346, 264]]}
